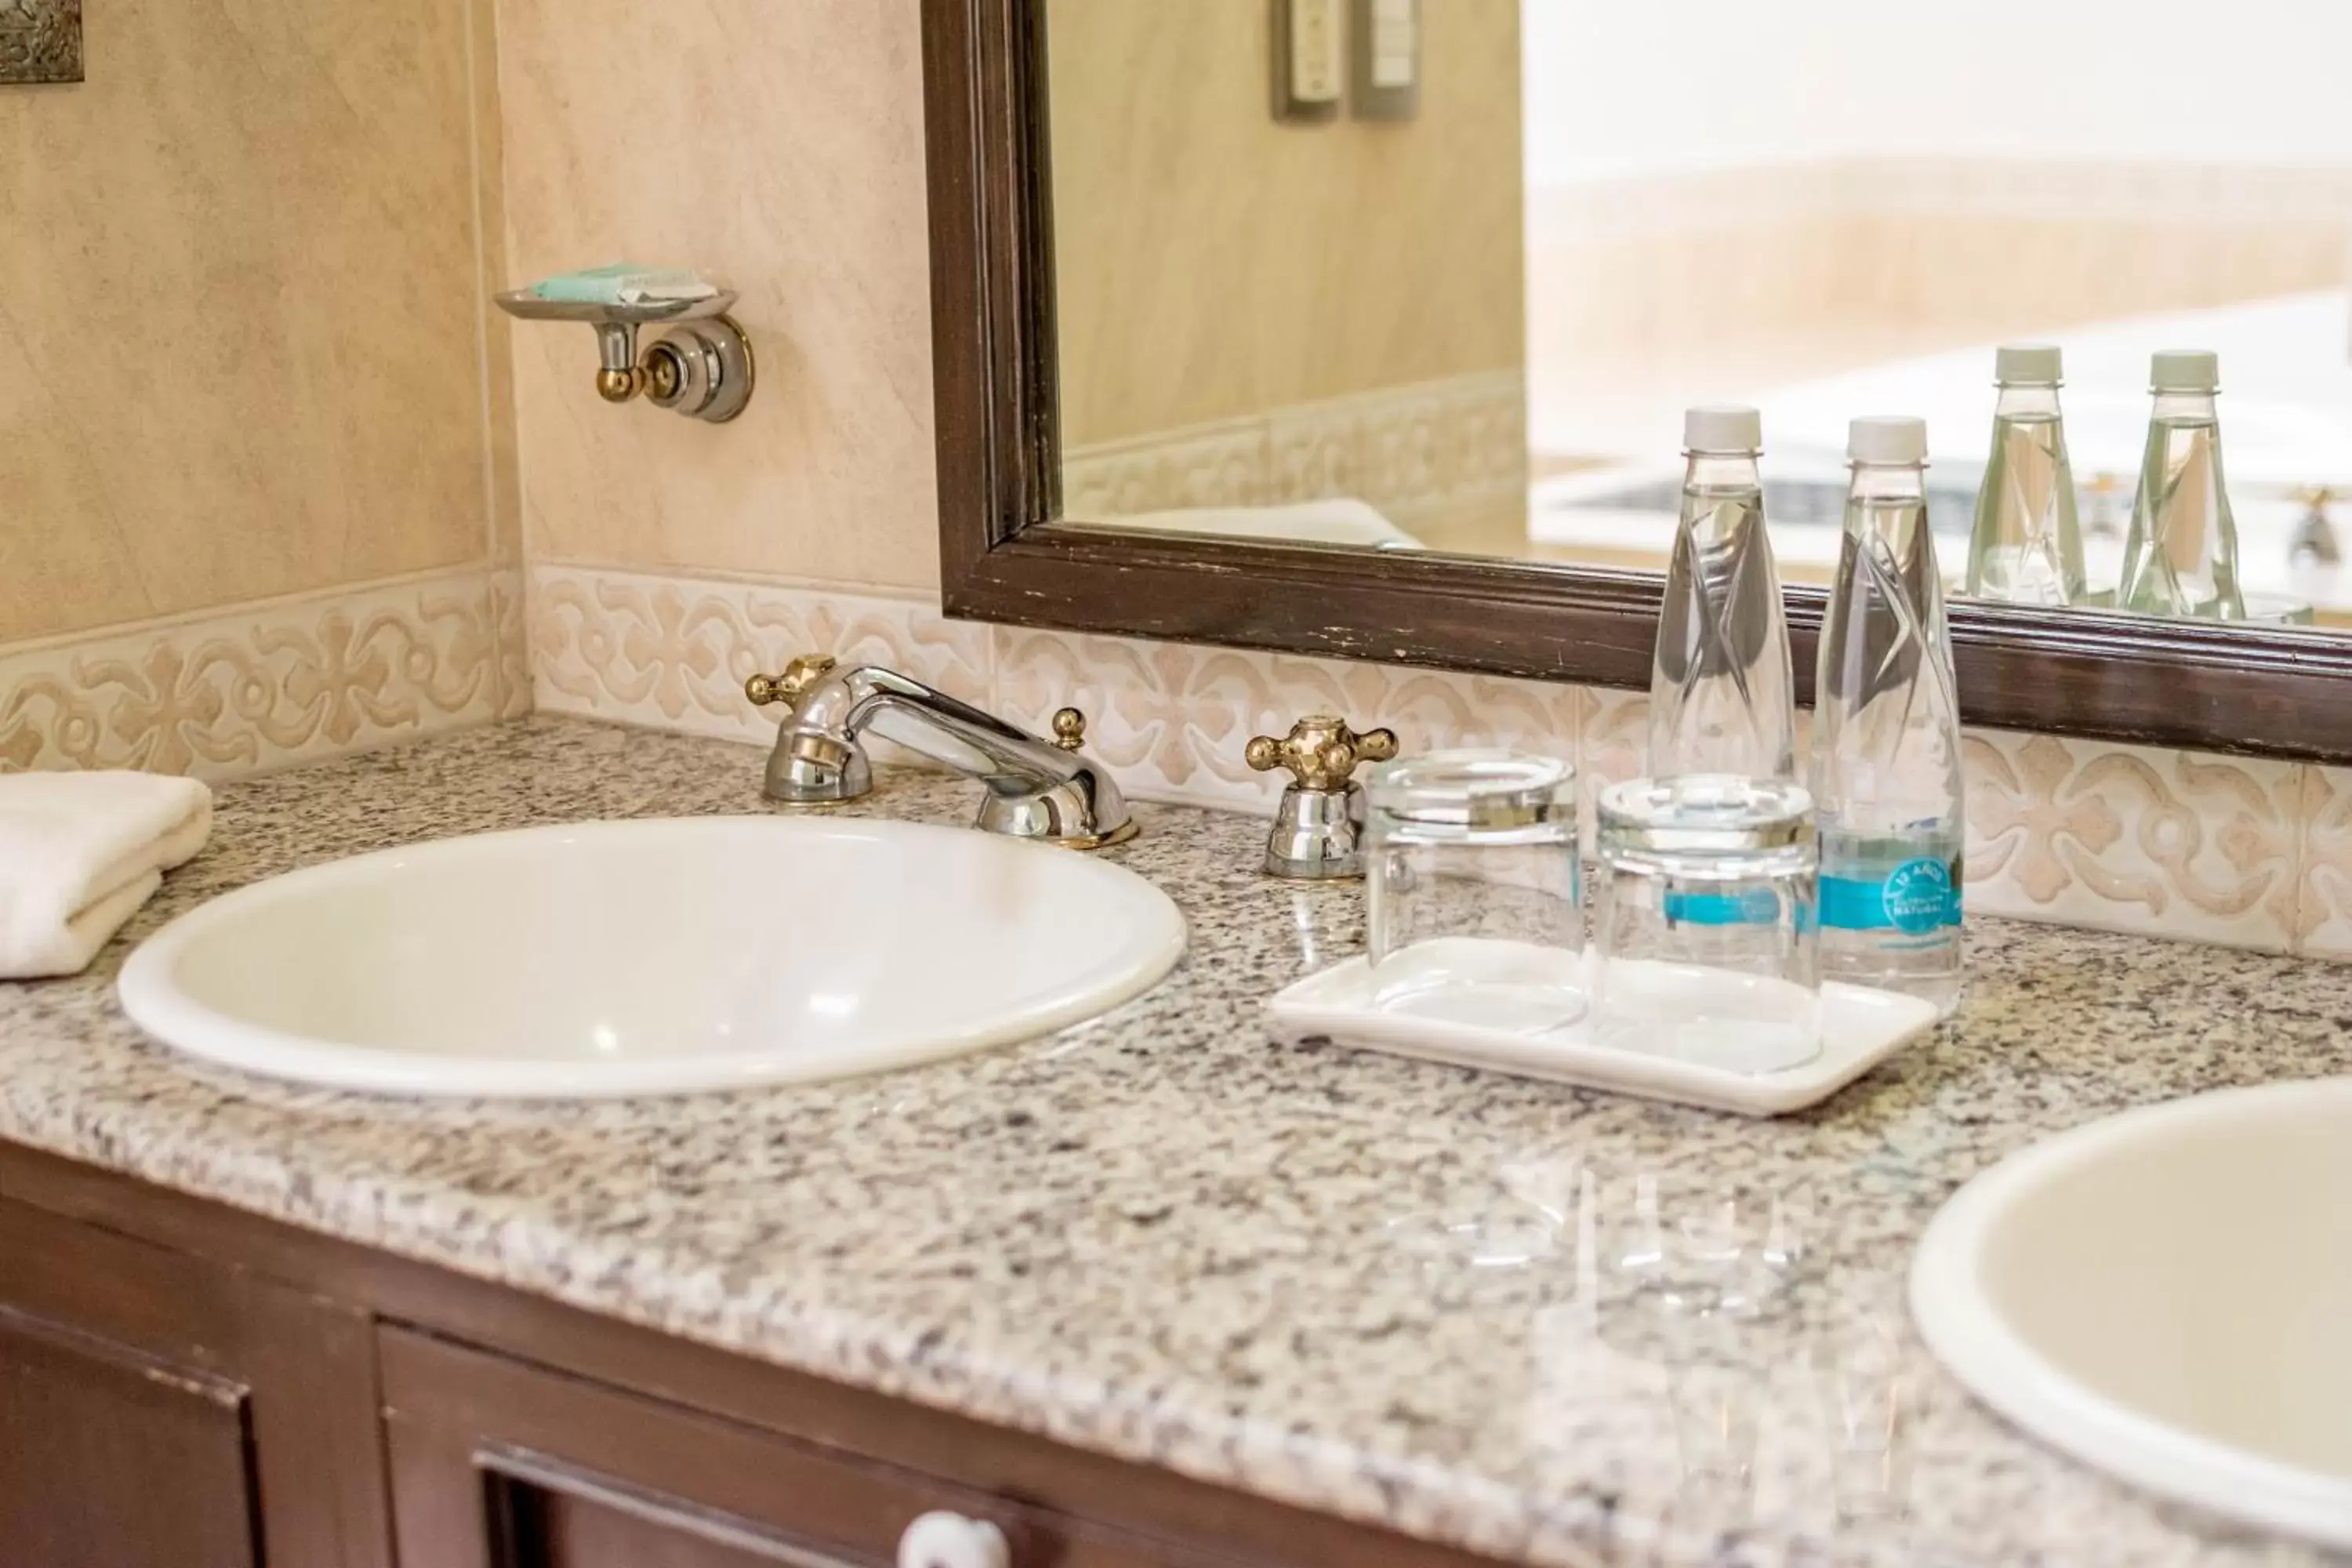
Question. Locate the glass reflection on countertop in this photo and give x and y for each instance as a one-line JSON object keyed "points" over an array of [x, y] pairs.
{"points": [[1692, 1342], [1326, 925]]}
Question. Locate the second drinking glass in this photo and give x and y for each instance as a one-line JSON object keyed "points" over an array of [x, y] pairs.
{"points": [[1707, 922]]}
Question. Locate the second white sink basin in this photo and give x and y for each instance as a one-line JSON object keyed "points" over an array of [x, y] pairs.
{"points": [[2167, 1295], [657, 957]]}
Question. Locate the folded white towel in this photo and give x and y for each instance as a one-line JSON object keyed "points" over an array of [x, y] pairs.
{"points": [[79, 852]]}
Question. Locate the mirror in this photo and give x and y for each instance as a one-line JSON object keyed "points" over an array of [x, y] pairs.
{"points": [[1437, 278]]}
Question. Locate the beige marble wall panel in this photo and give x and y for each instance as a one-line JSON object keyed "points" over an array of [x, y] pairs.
{"points": [[779, 147], [241, 346], [1214, 262]]}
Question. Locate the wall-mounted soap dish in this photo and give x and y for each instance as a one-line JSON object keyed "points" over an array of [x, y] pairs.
{"points": [[701, 367]]}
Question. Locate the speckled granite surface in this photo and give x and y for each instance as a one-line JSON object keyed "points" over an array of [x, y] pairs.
{"points": [[1552, 1326]]}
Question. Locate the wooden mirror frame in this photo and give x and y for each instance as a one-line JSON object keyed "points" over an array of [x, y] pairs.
{"points": [[2276, 692]]}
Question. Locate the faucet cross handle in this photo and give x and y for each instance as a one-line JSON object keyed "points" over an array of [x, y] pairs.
{"points": [[1320, 823], [793, 684], [1320, 751]]}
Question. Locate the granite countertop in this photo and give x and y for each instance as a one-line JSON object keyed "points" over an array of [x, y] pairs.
{"points": [[1545, 1324]]}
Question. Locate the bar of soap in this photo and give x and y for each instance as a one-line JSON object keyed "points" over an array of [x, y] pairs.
{"points": [[623, 283]]}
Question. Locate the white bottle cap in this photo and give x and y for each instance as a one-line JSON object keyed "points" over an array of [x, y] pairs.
{"points": [[2027, 364], [1725, 429], [2185, 370], [1892, 439]]}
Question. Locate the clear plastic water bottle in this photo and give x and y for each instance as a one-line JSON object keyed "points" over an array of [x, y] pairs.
{"points": [[1722, 693], [2027, 546], [2181, 557], [1886, 773]]}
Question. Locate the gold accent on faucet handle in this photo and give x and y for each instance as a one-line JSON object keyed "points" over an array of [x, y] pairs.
{"points": [[1069, 729], [793, 684], [1320, 751]]}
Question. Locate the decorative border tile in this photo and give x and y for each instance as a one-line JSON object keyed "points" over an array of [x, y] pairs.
{"points": [[2323, 888], [267, 685], [2126, 839], [1171, 719], [2248, 852], [1419, 454], [1219, 465], [673, 653]]}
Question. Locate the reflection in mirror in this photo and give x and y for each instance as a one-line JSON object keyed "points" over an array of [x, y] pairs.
{"points": [[1468, 317]]}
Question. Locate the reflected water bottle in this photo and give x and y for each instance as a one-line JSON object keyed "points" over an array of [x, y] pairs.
{"points": [[2181, 555], [2027, 546], [1722, 695], [1886, 774]]}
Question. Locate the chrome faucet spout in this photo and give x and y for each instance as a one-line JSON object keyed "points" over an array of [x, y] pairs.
{"points": [[1042, 789]]}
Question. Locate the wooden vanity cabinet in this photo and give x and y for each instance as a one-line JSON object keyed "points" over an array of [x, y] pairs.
{"points": [[185, 1385], [499, 1465], [159, 1410]]}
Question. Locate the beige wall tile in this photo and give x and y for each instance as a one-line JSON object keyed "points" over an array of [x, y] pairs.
{"points": [[493, 342], [673, 653], [1612, 745], [779, 147], [1172, 719], [2247, 852], [240, 346], [263, 686], [2324, 907], [2129, 838]]}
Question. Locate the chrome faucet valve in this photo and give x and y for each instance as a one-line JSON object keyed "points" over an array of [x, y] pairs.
{"points": [[1046, 790], [1318, 825]]}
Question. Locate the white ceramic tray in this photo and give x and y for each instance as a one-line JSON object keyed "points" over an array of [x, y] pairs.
{"points": [[1860, 1029]]}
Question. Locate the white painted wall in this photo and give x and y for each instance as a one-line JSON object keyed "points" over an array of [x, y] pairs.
{"points": [[1618, 86]]}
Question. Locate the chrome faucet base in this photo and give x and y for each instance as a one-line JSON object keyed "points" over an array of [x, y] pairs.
{"points": [[817, 770], [1318, 834], [1066, 814], [1319, 826], [1044, 791]]}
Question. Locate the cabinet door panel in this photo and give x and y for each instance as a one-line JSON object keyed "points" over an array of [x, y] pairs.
{"points": [[203, 1395], [497, 1464], [112, 1459]]}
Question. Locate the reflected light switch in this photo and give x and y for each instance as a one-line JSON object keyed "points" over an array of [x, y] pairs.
{"points": [[1394, 40], [1311, 63], [1387, 58]]}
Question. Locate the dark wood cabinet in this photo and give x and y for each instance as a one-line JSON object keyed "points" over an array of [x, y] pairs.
{"points": [[497, 1464], [160, 1409], [185, 1385], [109, 1458]]}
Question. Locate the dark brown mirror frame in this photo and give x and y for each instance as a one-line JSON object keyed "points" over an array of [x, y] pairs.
{"points": [[2264, 691]]}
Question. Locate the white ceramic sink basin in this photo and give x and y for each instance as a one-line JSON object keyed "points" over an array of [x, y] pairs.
{"points": [[660, 957], [2167, 1295]]}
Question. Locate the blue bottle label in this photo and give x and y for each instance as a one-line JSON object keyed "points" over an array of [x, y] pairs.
{"points": [[1756, 905], [1917, 897]]}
